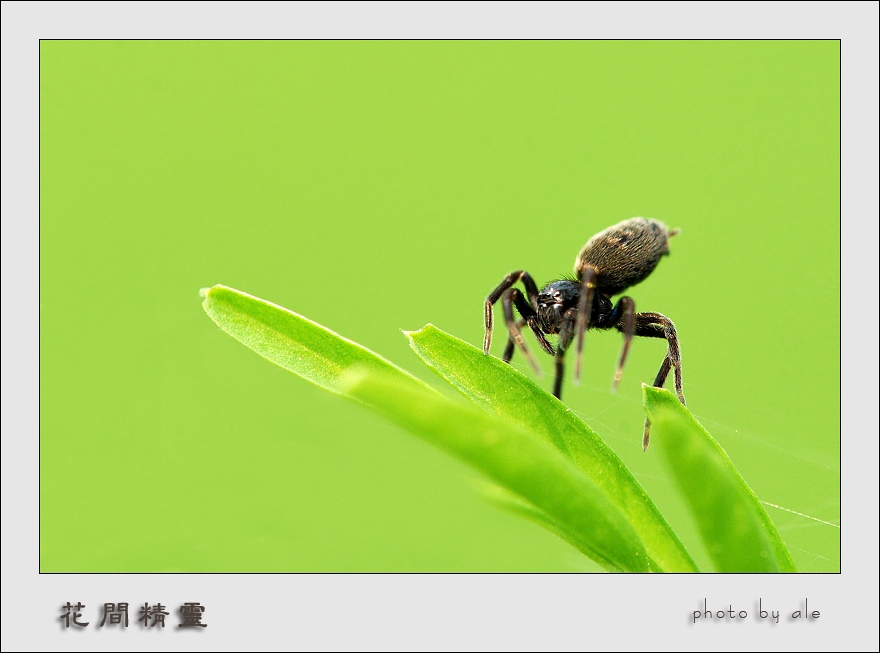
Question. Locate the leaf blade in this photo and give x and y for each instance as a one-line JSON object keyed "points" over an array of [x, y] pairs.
{"points": [[502, 390], [518, 460], [292, 341], [738, 533]]}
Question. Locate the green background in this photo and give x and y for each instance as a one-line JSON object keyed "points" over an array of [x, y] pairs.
{"points": [[378, 186]]}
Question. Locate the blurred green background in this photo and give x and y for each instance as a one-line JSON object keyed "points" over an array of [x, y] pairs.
{"points": [[378, 186]]}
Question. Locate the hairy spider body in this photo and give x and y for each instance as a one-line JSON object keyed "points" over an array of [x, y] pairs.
{"points": [[611, 261], [625, 254]]}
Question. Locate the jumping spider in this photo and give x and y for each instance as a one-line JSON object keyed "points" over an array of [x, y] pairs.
{"points": [[610, 262]]}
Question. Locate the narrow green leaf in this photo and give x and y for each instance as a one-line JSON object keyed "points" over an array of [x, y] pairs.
{"points": [[575, 507], [516, 460], [733, 524], [293, 342], [503, 391]]}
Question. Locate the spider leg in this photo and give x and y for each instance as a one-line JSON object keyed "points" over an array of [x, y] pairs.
{"points": [[495, 295], [566, 333], [585, 305], [627, 307], [542, 340], [658, 383], [511, 345], [655, 325], [510, 297]]}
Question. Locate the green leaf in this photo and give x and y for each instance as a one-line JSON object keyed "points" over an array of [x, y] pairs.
{"points": [[503, 391], [508, 454], [516, 460], [293, 342], [733, 524]]}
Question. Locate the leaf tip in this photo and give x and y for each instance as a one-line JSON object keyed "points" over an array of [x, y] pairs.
{"points": [[412, 335], [650, 392], [204, 293]]}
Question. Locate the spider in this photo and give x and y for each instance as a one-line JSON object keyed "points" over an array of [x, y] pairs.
{"points": [[610, 262]]}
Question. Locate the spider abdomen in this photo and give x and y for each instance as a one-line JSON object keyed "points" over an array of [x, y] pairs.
{"points": [[625, 254]]}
